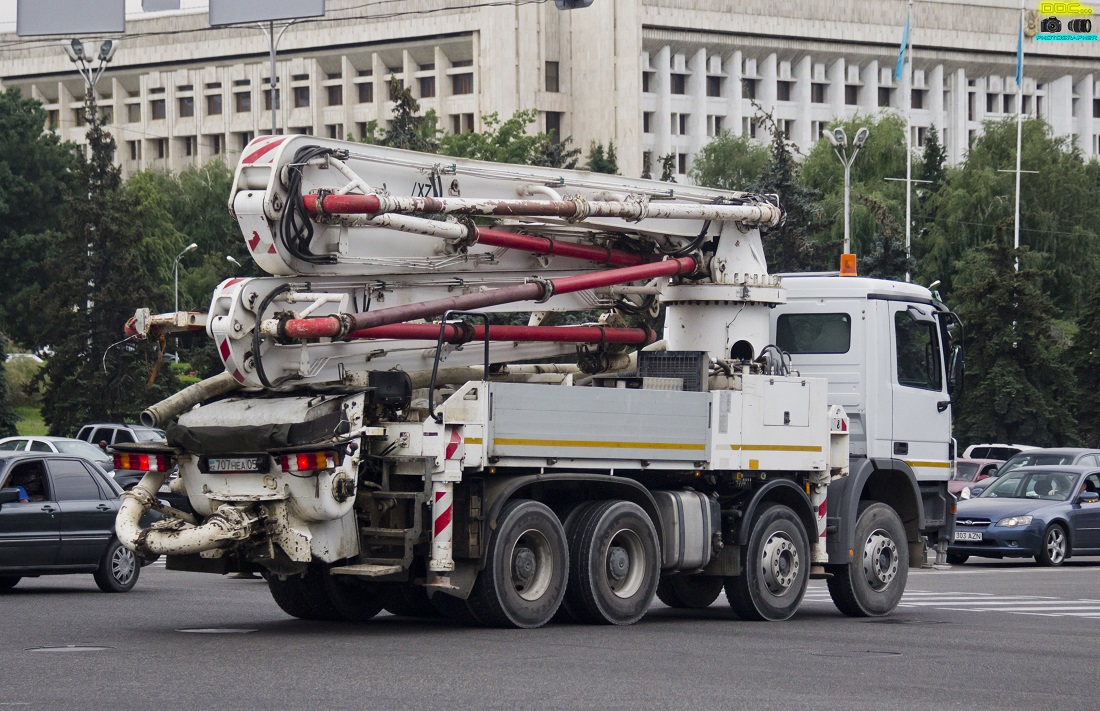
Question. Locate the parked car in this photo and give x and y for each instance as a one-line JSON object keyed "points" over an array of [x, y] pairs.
{"points": [[971, 471], [994, 451], [66, 526], [106, 434], [1049, 512], [1048, 456], [61, 445]]}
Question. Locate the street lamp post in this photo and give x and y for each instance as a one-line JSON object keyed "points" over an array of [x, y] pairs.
{"points": [[839, 141], [78, 54], [176, 271], [229, 258]]}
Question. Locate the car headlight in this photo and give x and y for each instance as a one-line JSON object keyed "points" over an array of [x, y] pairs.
{"points": [[1013, 521]]}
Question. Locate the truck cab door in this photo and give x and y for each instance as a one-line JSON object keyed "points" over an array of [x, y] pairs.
{"points": [[921, 407]]}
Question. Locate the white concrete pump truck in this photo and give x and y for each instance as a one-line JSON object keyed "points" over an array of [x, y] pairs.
{"points": [[385, 437]]}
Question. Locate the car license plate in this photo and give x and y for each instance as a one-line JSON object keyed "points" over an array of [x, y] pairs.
{"points": [[968, 536], [227, 465]]}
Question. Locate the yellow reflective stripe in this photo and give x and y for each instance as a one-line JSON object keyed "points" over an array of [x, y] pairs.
{"points": [[934, 465], [776, 447], [508, 442], [472, 440]]}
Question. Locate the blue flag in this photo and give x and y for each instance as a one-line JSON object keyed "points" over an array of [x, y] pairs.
{"points": [[900, 68], [1020, 54]]}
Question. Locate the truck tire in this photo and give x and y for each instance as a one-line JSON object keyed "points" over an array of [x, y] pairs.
{"points": [[776, 567], [303, 596], [614, 564], [118, 569], [354, 600], [7, 582], [689, 592], [565, 613], [526, 568], [873, 583]]}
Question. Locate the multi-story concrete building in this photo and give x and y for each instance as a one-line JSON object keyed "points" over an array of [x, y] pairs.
{"points": [[654, 76]]}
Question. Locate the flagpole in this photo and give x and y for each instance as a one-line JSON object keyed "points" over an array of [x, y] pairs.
{"points": [[1019, 126], [908, 141]]}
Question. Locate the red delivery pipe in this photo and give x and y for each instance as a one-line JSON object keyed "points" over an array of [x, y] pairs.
{"points": [[464, 333], [535, 290], [545, 245]]}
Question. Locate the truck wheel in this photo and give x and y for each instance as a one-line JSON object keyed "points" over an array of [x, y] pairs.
{"points": [[1053, 550], [118, 569], [873, 583], [526, 568], [565, 613], [7, 582], [614, 564], [303, 596], [692, 592], [353, 599], [776, 567]]}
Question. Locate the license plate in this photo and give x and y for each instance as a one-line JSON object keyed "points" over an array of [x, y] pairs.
{"points": [[225, 465], [968, 536]]}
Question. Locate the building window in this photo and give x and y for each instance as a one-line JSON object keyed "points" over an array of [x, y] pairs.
{"points": [[816, 129], [786, 127], [1038, 106], [552, 84], [335, 95], [335, 75], [682, 163], [990, 103], [646, 76], [189, 146], [216, 144], [1096, 108], [456, 63], [714, 86], [674, 122], [748, 87], [157, 109], [678, 83], [107, 114], [1027, 104], [214, 104], [919, 133], [1006, 102], [78, 116], [462, 83], [464, 123], [53, 119], [783, 90], [748, 127], [970, 106], [427, 87], [214, 85], [851, 94], [162, 148], [301, 97], [647, 122], [335, 131], [885, 95], [366, 93], [918, 98], [553, 125], [684, 118], [133, 113], [267, 100], [244, 138], [817, 93], [186, 106], [242, 102], [135, 150], [242, 82], [714, 125]]}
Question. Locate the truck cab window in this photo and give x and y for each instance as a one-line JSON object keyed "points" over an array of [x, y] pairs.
{"points": [[918, 349], [814, 333]]}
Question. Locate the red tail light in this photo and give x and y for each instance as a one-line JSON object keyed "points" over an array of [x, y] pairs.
{"points": [[143, 462], [308, 461]]}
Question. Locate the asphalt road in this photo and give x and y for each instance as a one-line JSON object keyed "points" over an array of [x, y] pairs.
{"points": [[982, 635]]}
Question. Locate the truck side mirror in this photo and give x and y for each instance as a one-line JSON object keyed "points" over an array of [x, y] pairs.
{"points": [[955, 371]]}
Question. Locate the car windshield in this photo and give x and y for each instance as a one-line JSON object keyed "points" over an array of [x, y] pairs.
{"points": [[83, 449], [965, 471], [1051, 486], [1036, 459], [149, 435]]}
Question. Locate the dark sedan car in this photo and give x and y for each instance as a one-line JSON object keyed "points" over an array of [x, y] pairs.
{"points": [[1049, 512], [57, 516]]}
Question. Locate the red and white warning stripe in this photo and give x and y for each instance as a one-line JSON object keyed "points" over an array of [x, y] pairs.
{"points": [[262, 150], [442, 528]]}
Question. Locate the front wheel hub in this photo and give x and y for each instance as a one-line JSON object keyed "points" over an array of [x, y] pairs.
{"points": [[779, 564], [880, 560], [618, 563]]}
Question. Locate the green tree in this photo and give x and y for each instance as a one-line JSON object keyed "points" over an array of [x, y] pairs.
{"points": [[8, 418], [35, 167], [668, 167], [884, 256], [1084, 357], [408, 129], [601, 160], [100, 274], [1019, 386], [509, 141], [933, 164], [730, 162]]}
